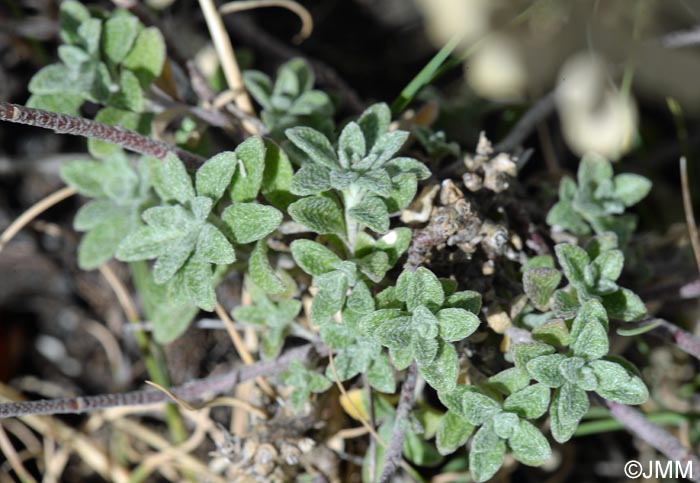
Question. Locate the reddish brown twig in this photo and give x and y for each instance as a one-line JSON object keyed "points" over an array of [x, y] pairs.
{"points": [[192, 390], [77, 126], [392, 457]]}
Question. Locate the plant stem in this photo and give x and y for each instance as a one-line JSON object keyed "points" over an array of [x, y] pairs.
{"points": [[192, 390], [77, 126], [392, 457], [152, 354]]}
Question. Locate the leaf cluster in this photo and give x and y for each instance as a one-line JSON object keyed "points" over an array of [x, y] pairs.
{"points": [[290, 100], [105, 58], [596, 202]]}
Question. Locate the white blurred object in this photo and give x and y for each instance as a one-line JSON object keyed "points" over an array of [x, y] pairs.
{"points": [[446, 19], [594, 115], [496, 70]]}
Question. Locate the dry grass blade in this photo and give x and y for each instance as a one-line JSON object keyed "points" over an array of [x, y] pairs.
{"points": [[224, 50], [342, 390], [219, 401], [35, 210], [241, 348], [307, 22], [689, 214], [13, 458]]}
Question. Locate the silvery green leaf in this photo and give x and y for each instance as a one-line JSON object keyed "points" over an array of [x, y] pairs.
{"points": [[403, 190], [213, 247], [293, 78], [130, 95], [311, 179], [375, 265], [573, 403], [573, 260], [321, 214], [569, 405], [341, 179], [504, 423], [539, 285], [262, 273], [277, 177], [376, 181], [201, 207], [452, 432], [386, 146], [249, 222], [465, 299], [248, 177], [401, 357], [420, 287], [528, 445], [594, 169], [395, 333], [119, 179], [174, 255], [631, 188], [486, 454], [118, 36], [530, 402], [89, 34], [372, 212], [145, 243], [454, 399], [72, 14], [313, 257], [609, 264], [571, 368], [84, 177], [591, 311], [566, 302], [381, 375], [310, 103], [624, 304], [93, 213], [330, 298], [545, 369], [72, 56], [350, 362], [259, 85], [147, 56], [172, 182], [398, 166], [59, 103], [419, 451], [374, 122], [360, 300], [523, 353], [99, 244], [200, 284], [591, 341], [424, 350], [394, 243], [563, 215], [351, 145], [553, 332], [456, 324], [371, 322], [316, 146], [214, 176], [615, 383], [442, 373], [510, 380], [170, 316], [54, 79], [169, 218]]}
